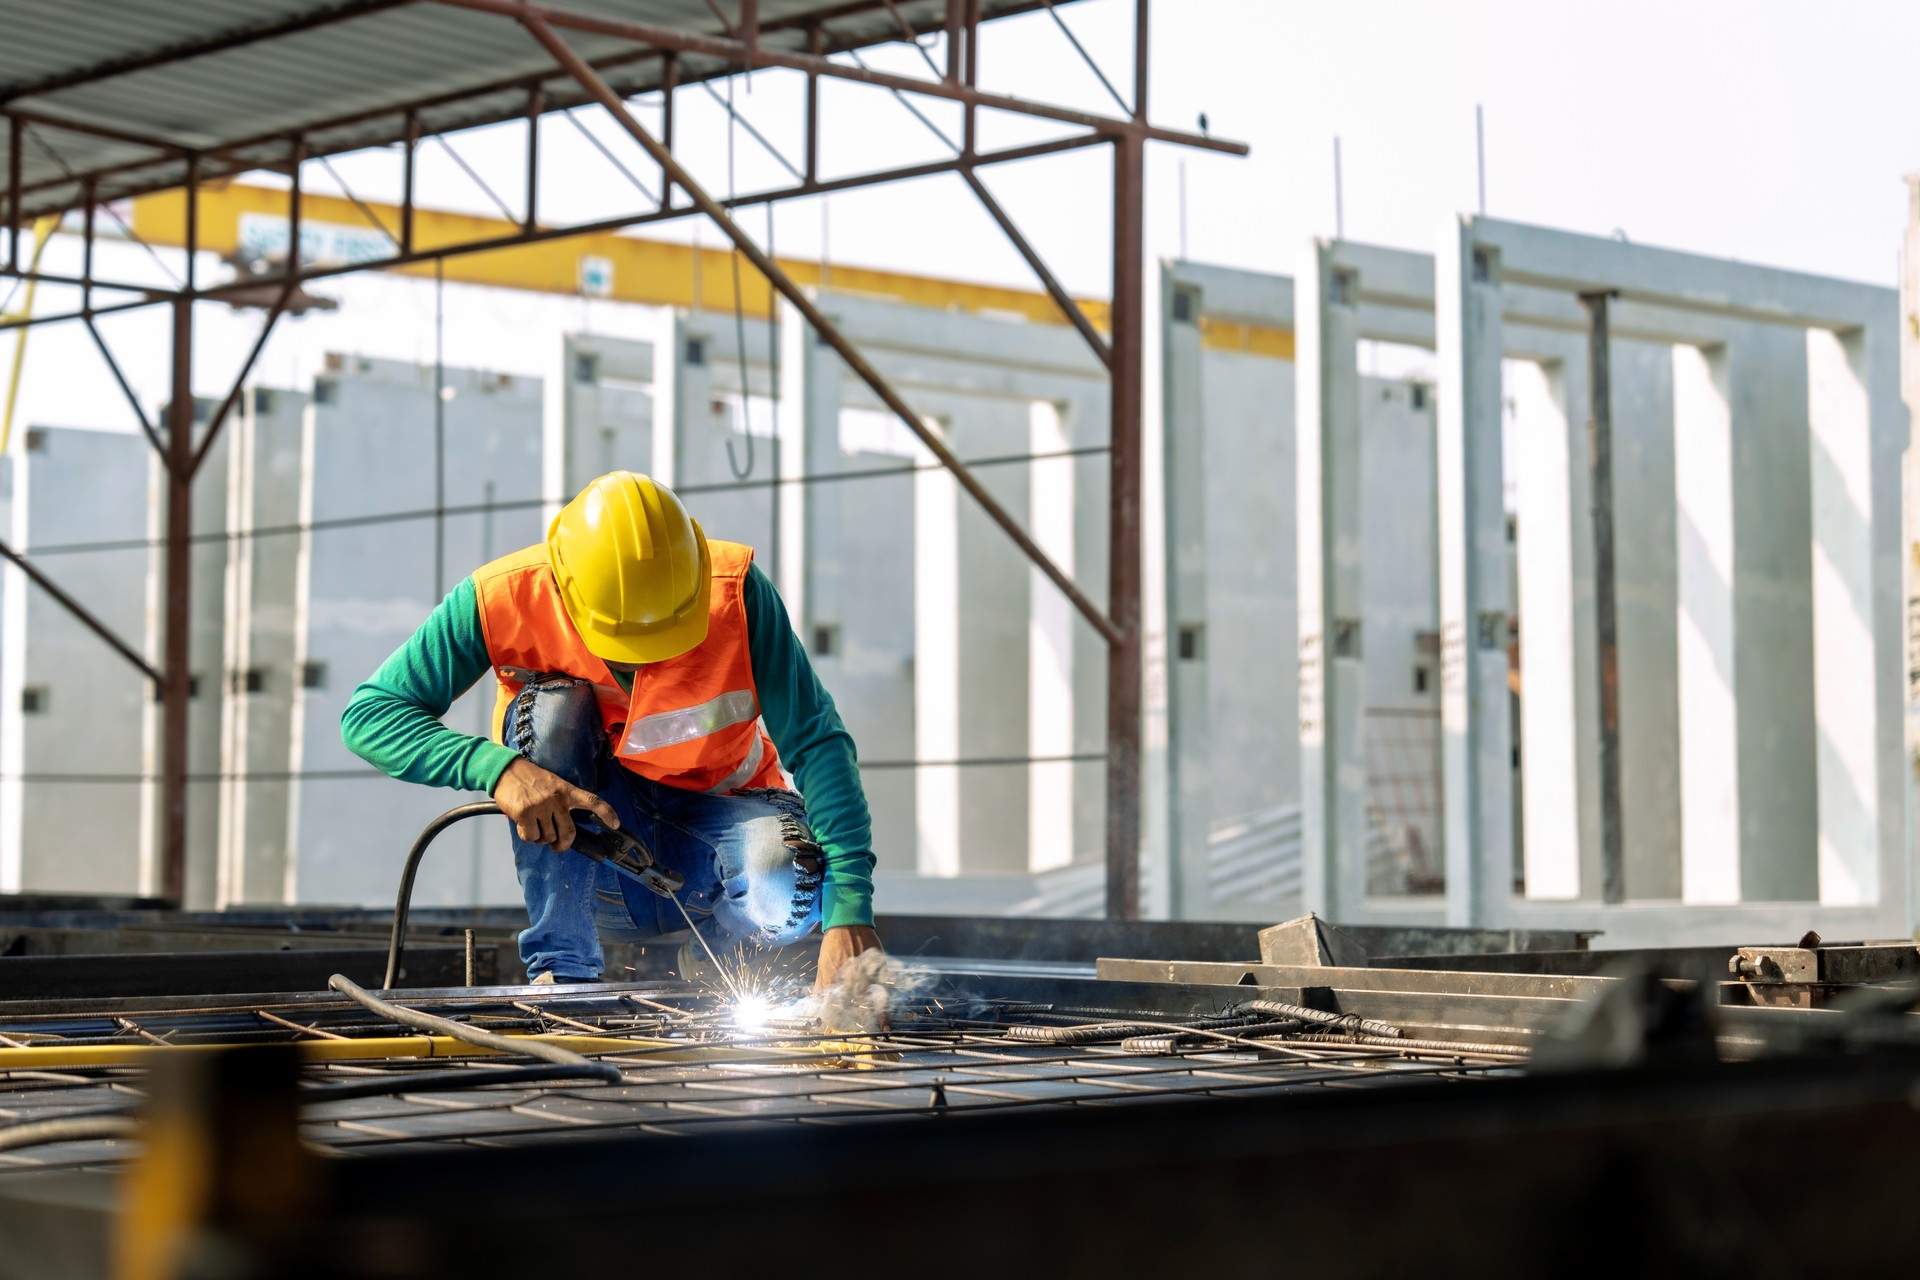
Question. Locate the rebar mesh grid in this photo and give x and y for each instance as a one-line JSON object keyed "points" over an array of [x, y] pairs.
{"points": [[694, 1070]]}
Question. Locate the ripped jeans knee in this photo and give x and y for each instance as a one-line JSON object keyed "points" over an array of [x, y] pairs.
{"points": [[772, 869]]}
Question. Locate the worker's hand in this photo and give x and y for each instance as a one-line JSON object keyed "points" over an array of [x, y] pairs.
{"points": [[837, 946], [539, 804]]}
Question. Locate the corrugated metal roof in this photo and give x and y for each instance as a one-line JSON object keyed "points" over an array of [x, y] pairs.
{"points": [[234, 80]]}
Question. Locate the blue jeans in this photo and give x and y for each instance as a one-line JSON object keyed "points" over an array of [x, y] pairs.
{"points": [[752, 868]]}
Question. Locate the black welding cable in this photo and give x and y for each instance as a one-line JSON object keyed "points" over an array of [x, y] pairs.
{"points": [[461, 1031], [404, 903]]}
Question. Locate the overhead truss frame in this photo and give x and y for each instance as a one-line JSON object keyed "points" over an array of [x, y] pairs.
{"points": [[1120, 350]]}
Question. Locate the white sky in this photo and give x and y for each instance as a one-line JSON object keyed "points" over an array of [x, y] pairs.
{"points": [[1764, 131]]}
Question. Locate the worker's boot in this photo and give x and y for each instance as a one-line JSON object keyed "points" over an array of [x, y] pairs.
{"points": [[554, 979]]}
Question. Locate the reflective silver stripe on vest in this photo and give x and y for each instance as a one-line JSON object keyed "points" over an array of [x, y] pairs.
{"points": [[667, 728], [744, 774]]}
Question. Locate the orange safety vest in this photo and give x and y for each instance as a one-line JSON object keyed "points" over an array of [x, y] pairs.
{"points": [[692, 722]]}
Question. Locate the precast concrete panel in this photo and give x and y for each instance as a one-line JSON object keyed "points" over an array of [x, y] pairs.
{"points": [[994, 387], [607, 409], [1400, 620], [366, 581], [1233, 696], [71, 803], [1646, 569], [263, 493], [1190, 776], [867, 665], [1786, 444], [1477, 747], [725, 452]]}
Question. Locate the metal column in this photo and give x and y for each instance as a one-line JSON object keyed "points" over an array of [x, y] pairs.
{"points": [[177, 680], [1125, 728], [1605, 607]]}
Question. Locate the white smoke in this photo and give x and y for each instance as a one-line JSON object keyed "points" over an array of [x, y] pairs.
{"points": [[868, 992]]}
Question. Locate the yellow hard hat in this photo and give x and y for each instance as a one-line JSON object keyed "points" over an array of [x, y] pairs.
{"points": [[632, 568]]}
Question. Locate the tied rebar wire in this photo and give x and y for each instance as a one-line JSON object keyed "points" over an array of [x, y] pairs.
{"points": [[1300, 1013], [468, 1034], [1217, 1055]]}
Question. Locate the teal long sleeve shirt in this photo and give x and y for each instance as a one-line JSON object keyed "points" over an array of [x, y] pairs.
{"points": [[393, 721]]}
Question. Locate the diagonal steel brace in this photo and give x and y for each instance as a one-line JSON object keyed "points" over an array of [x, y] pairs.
{"points": [[588, 79]]}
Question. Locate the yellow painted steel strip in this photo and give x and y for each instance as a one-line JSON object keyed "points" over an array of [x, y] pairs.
{"points": [[654, 272], [45, 1056]]}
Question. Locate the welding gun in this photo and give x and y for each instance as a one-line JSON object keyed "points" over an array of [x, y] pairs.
{"points": [[624, 854]]}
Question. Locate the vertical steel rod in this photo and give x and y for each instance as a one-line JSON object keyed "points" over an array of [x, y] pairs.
{"points": [[1480, 153], [536, 103], [814, 45], [953, 20], [1140, 61], [669, 83], [15, 134], [1124, 660], [193, 217], [970, 68], [406, 183], [1605, 606], [177, 682], [86, 250], [296, 207], [1339, 196]]}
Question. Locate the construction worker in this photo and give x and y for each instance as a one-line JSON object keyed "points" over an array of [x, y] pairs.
{"points": [[648, 675]]}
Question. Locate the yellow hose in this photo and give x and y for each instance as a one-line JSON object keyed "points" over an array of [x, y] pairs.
{"points": [[47, 1056], [42, 232]]}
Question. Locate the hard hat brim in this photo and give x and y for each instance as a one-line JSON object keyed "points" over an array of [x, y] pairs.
{"points": [[669, 640], [681, 638]]}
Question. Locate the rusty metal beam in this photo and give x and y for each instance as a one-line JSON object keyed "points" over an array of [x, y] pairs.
{"points": [[126, 388], [412, 144], [736, 51], [536, 100], [826, 330], [154, 296], [1125, 661], [240, 379], [16, 133], [227, 159], [1613, 887], [1061, 298], [81, 613], [169, 151], [176, 686], [516, 239]]}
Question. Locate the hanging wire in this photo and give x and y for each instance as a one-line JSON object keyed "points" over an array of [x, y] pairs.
{"points": [[739, 314], [773, 368], [439, 428]]}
